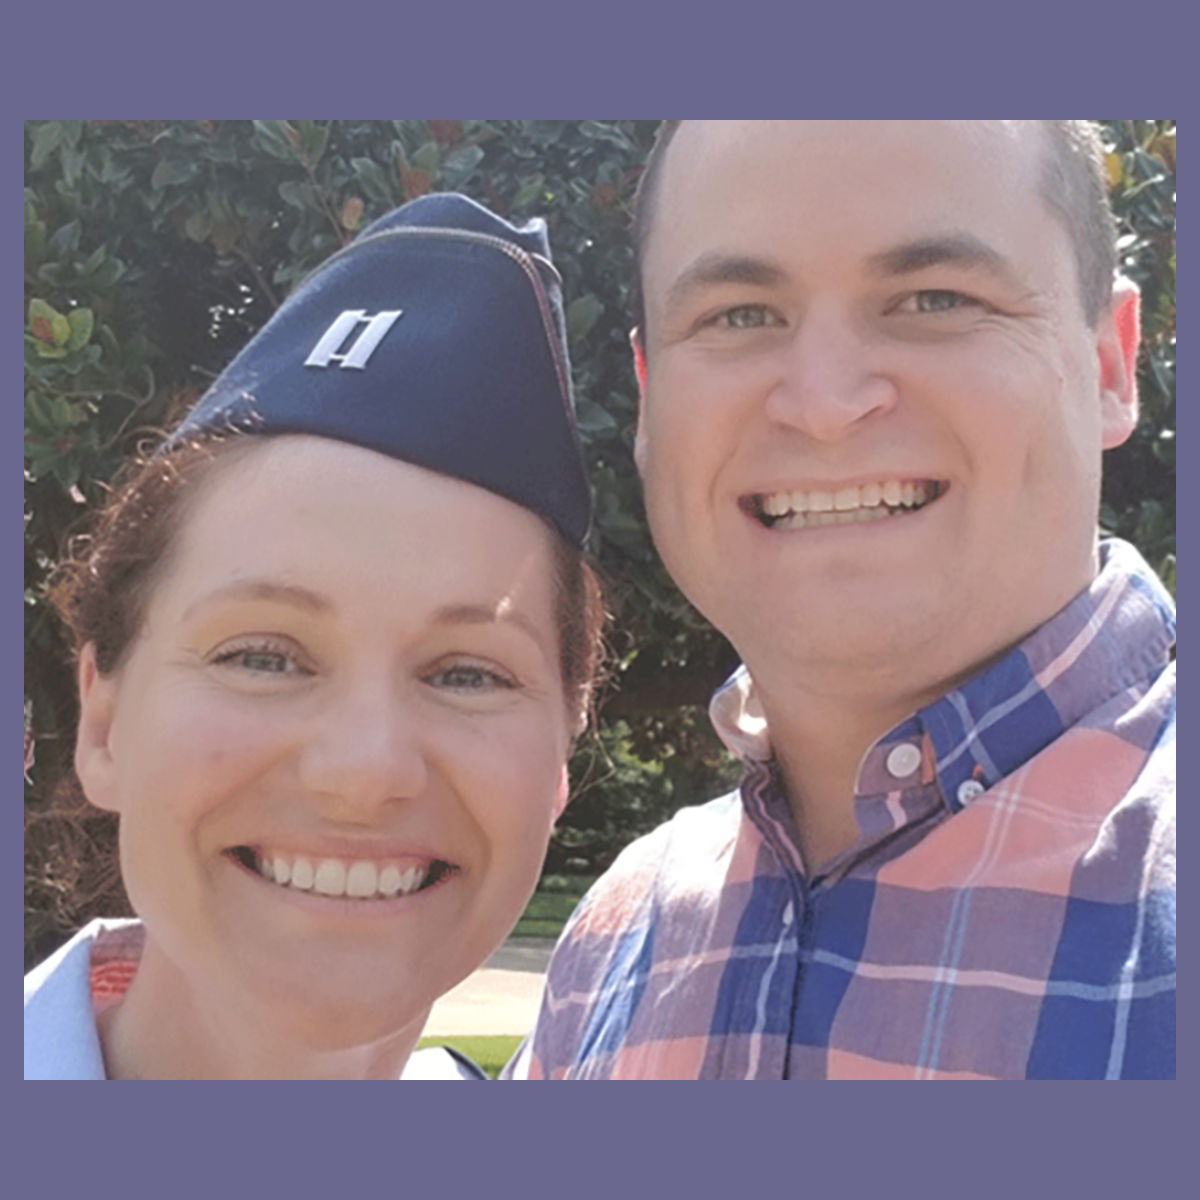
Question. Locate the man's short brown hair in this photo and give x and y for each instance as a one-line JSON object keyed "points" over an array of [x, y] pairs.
{"points": [[1072, 185]]}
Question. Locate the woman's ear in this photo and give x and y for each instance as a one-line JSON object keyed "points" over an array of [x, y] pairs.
{"points": [[93, 754], [564, 794]]}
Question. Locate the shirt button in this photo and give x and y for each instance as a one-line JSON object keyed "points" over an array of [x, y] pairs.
{"points": [[969, 789], [903, 760]]}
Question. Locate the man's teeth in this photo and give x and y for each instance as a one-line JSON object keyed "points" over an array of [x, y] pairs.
{"points": [[845, 506], [360, 880]]}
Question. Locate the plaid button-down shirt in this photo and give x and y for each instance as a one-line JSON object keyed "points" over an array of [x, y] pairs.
{"points": [[1007, 912]]}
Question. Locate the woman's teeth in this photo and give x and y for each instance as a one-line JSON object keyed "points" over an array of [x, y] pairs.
{"points": [[845, 506], [356, 880]]}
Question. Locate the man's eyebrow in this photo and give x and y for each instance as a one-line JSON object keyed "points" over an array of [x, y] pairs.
{"points": [[955, 249], [263, 589], [716, 267], [483, 614]]}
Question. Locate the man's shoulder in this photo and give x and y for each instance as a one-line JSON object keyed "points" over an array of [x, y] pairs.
{"points": [[682, 849], [657, 903], [661, 886]]}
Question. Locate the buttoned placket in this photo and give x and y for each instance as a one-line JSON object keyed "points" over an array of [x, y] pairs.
{"points": [[904, 814]]}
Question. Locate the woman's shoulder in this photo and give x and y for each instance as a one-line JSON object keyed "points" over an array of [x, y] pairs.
{"points": [[61, 1041]]}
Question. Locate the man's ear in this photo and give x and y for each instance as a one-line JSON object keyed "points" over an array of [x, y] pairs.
{"points": [[639, 369], [93, 755], [1117, 349]]}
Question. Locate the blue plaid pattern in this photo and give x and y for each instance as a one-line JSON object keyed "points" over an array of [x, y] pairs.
{"points": [[1009, 912]]}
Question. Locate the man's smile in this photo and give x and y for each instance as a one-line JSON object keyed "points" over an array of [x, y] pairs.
{"points": [[852, 504]]}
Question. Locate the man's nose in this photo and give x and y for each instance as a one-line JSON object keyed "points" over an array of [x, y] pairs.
{"points": [[829, 381], [366, 748]]}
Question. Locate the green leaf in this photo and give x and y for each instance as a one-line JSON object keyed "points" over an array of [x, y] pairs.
{"points": [[172, 171], [35, 240], [50, 327], [531, 192], [47, 139], [610, 172], [81, 321], [547, 131], [36, 412], [72, 165], [273, 137], [94, 260], [460, 164], [593, 420], [428, 158], [198, 226], [373, 180], [604, 131], [65, 239], [313, 138], [39, 308], [582, 314], [107, 274], [297, 194], [66, 471]]}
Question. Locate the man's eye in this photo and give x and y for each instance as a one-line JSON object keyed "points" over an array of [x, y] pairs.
{"points": [[747, 316], [468, 677], [936, 300]]}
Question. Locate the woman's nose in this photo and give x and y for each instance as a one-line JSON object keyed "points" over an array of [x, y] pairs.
{"points": [[366, 748]]}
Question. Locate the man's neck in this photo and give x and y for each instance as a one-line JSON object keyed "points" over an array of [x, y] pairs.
{"points": [[818, 748], [825, 709]]}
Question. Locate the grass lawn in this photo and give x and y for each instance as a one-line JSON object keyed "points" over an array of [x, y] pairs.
{"points": [[544, 917], [551, 905], [491, 1053]]}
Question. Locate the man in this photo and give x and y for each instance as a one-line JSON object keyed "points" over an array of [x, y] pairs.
{"points": [[879, 362]]}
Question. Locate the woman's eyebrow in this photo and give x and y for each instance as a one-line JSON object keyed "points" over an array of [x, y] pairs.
{"points": [[263, 589], [482, 614]]}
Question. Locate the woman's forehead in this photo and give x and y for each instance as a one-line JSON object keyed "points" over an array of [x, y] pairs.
{"points": [[311, 509]]}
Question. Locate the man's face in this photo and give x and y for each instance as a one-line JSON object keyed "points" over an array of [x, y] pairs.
{"points": [[874, 411]]}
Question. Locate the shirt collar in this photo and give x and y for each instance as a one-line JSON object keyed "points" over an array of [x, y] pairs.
{"points": [[1113, 635]]}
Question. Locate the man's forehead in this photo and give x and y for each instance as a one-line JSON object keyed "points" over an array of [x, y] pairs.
{"points": [[750, 183], [698, 142], [714, 134]]}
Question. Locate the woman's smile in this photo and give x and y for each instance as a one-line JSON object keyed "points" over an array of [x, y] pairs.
{"points": [[355, 879]]}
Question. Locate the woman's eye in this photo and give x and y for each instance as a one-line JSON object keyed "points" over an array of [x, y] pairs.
{"points": [[936, 300], [260, 661], [469, 677]]}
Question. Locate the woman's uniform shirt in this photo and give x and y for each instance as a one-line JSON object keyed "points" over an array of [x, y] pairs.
{"points": [[93, 970]]}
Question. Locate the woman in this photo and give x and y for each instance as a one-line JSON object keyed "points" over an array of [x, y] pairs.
{"points": [[335, 642]]}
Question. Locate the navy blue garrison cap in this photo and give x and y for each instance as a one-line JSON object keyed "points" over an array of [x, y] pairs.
{"points": [[436, 336]]}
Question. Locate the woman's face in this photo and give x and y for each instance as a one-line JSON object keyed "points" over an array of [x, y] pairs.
{"points": [[337, 746]]}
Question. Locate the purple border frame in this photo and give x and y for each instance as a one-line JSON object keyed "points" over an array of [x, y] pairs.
{"points": [[996, 1143]]}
